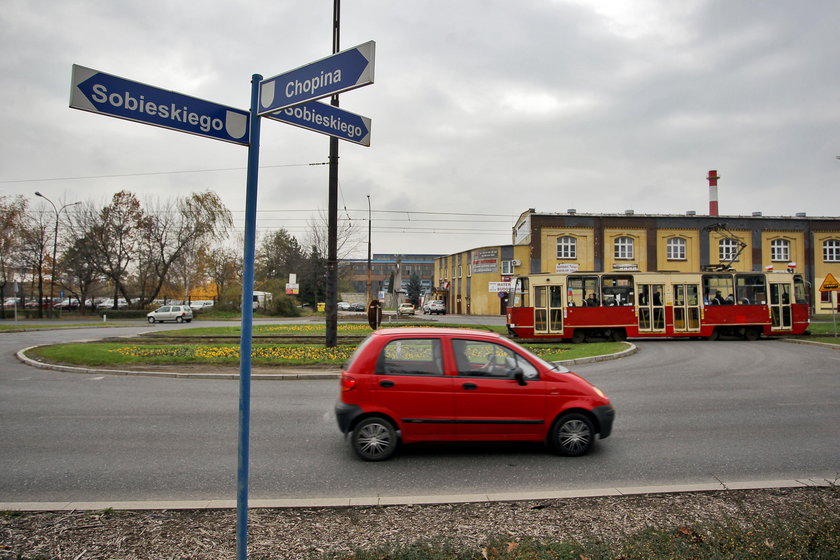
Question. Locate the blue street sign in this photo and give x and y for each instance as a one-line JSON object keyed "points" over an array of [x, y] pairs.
{"points": [[328, 120], [97, 92], [334, 74]]}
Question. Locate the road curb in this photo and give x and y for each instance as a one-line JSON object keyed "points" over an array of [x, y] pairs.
{"points": [[379, 501], [811, 343], [281, 375]]}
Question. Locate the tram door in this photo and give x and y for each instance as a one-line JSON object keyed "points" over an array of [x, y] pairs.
{"points": [[548, 309], [686, 308], [780, 313], [651, 308]]}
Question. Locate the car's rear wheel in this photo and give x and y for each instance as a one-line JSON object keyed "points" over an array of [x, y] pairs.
{"points": [[374, 439], [152, 320], [572, 435], [179, 319]]}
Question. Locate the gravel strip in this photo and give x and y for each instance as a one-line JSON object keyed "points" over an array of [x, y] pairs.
{"points": [[300, 533]]}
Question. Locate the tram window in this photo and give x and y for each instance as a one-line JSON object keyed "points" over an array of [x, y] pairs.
{"points": [[520, 296], [581, 288], [714, 283], [799, 290], [618, 290], [750, 289], [556, 296]]}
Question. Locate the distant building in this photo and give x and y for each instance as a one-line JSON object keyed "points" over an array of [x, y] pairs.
{"points": [[382, 267], [471, 281]]}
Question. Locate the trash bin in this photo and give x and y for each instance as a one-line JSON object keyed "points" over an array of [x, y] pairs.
{"points": [[322, 307]]}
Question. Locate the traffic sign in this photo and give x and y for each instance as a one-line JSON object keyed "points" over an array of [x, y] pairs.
{"points": [[98, 92], [336, 73], [326, 119], [830, 284]]}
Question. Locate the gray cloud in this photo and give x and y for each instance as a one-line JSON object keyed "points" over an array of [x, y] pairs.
{"points": [[479, 107]]}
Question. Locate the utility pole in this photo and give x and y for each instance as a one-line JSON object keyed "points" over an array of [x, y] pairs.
{"points": [[332, 228]]}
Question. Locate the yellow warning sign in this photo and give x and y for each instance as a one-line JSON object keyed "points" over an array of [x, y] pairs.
{"points": [[830, 284]]}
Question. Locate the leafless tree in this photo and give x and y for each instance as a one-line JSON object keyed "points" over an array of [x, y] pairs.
{"points": [[34, 248], [12, 213], [179, 233]]}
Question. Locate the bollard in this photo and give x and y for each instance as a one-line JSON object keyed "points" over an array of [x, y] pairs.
{"points": [[104, 318]]}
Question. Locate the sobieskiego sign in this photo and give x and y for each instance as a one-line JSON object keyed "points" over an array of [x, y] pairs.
{"points": [[106, 94]]}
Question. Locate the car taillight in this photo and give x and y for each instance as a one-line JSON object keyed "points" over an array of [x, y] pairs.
{"points": [[348, 382]]}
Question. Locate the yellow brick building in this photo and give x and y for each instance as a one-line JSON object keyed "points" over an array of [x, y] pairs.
{"points": [[470, 282]]}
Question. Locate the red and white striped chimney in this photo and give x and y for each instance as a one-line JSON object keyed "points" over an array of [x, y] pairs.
{"points": [[713, 195]]}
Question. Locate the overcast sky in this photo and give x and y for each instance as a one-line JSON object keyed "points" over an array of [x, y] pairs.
{"points": [[480, 109]]}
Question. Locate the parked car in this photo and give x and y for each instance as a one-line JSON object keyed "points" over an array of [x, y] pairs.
{"points": [[67, 303], [405, 309], [407, 385], [434, 306], [358, 307], [343, 306], [200, 304], [177, 313], [109, 304]]}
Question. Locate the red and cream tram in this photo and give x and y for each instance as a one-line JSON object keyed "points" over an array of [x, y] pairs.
{"points": [[585, 305]]}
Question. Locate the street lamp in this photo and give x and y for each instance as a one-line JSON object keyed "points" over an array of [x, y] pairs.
{"points": [[55, 239], [369, 298]]}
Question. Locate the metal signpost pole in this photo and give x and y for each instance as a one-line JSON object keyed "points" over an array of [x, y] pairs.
{"points": [[247, 325]]}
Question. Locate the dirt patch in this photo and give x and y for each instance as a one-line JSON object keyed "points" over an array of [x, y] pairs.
{"points": [[300, 533]]}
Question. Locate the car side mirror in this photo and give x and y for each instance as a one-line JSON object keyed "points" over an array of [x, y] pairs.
{"points": [[519, 375]]}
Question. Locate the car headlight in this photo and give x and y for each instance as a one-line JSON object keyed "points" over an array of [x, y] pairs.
{"points": [[599, 392]]}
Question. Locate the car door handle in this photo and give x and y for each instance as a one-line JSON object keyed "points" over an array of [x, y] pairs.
{"points": [[469, 386], [386, 383]]}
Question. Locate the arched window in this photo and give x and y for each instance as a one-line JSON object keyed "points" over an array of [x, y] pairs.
{"points": [[566, 247], [780, 250], [831, 250], [728, 250], [675, 249], [624, 248]]}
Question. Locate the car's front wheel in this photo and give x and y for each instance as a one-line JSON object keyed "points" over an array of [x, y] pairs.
{"points": [[152, 320], [572, 435], [374, 439]]}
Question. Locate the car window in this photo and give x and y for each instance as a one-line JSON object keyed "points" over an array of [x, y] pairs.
{"points": [[487, 359], [412, 356], [163, 310]]}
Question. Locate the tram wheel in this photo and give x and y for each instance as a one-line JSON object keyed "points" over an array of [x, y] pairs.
{"points": [[579, 336], [752, 334], [715, 334], [619, 335]]}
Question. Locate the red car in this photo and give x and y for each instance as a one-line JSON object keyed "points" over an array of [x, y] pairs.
{"points": [[430, 384]]}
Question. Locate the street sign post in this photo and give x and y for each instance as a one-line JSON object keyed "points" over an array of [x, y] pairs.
{"points": [[334, 74], [326, 119], [276, 98], [105, 94]]}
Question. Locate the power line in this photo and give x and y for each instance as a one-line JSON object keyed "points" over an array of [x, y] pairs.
{"points": [[5, 181]]}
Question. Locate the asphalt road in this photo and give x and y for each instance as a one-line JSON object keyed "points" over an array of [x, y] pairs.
{"points": [[688, 412]]}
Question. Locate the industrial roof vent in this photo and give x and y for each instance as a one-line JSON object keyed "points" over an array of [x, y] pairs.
{"points": [[571, 211], [801, 214], [628, 212], [691, 213], [756, 214]]}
